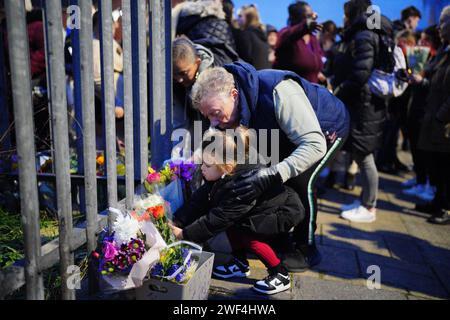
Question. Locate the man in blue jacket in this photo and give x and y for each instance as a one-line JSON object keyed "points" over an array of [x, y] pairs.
{"points": [[311, 122]]}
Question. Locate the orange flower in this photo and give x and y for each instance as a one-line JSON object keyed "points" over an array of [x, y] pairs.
{"points": [[100, 160], [140, 218], [157, 211]]}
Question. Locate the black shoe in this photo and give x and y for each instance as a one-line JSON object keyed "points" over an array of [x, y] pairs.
{"points": [[428, 207], [302, 259], [399, 166], [441, 217], [235, 268], [275, 282]]}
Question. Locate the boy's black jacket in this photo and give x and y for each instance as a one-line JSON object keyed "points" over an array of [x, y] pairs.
{"points": [[213, 209]]}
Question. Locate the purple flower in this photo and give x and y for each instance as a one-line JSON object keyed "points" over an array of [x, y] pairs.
{"points": [[184, 253], [109, 251], [179, 277], [121, 261], [109, 238], [157, 270], [172, 269], [136, 245]]}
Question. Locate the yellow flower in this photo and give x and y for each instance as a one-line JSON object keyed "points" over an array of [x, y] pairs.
{"points": [[151, 170], [120, 169]]}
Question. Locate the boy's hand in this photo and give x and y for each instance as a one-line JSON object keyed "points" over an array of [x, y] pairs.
{"points": [[177, 232]]}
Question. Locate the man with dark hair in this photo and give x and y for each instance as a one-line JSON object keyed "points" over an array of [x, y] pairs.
{"points": [[410, 18]]}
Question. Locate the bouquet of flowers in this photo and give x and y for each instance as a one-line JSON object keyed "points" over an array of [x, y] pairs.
{"points": [[123, 248], [177, 263], [153, 208], [172, 170], [182, 169]]}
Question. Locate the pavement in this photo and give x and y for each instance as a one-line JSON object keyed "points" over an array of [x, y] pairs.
{"points": [[411, 255]]}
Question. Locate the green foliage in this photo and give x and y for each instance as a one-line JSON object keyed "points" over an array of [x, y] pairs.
{"points": [[11, 235], [11, 239]]}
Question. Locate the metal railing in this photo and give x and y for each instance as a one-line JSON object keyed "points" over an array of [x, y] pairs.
{"points": [[147, 106]]}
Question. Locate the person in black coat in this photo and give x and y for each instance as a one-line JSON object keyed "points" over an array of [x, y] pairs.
{"points": [[354, 61], [435, 130], [251, 39], [203, 22], [250, 226]]}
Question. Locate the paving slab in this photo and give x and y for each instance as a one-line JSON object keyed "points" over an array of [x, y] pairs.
{"points": [[344, 236], [401, 278], [307, 288], [338, 261]]}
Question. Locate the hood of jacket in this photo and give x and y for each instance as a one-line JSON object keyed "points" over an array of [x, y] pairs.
{"points": [[206, 57], [247, 83], [360, 24], [202, 8]]}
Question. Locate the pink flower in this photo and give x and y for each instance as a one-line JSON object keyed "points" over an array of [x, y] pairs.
{"points": [[109, 251], [154, 177]]}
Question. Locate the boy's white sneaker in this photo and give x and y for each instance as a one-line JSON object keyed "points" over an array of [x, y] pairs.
{"points": [[233, 269], [359, 214], [353, 205]]}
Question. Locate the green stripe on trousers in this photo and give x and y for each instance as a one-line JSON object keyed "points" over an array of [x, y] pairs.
{"points": [[323, 163]]}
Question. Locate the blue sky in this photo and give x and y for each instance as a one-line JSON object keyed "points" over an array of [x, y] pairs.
{"points": [[275, 11]]}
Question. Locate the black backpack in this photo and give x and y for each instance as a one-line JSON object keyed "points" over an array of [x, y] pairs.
{"points": [[386, 60]]}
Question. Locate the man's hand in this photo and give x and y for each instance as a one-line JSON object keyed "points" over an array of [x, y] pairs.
{"points": [[177, 232], [254, 183]]}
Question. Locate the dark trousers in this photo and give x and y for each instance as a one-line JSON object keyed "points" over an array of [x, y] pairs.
{"points": [[420, 157], [441, 162], [304, 185]]}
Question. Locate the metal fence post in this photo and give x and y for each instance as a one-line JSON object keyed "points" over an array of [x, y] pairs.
{"points": [[139, 54], [128, 101], [109, 123], [76, 69], [161, 107], [88, 105], [58, 101], [5, 136], [23, 115]]}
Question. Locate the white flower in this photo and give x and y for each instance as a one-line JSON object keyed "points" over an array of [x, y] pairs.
{"points": [[125, 228], [152, 200]]}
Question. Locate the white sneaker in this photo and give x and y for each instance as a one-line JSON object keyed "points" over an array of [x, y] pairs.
{"points": [[234, 268], [353, 205], [359, 214], [409, 183], [273, 284], [415, 190]]}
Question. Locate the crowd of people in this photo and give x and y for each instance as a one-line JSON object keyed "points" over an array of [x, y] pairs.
{"points": [[347, 92]]}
